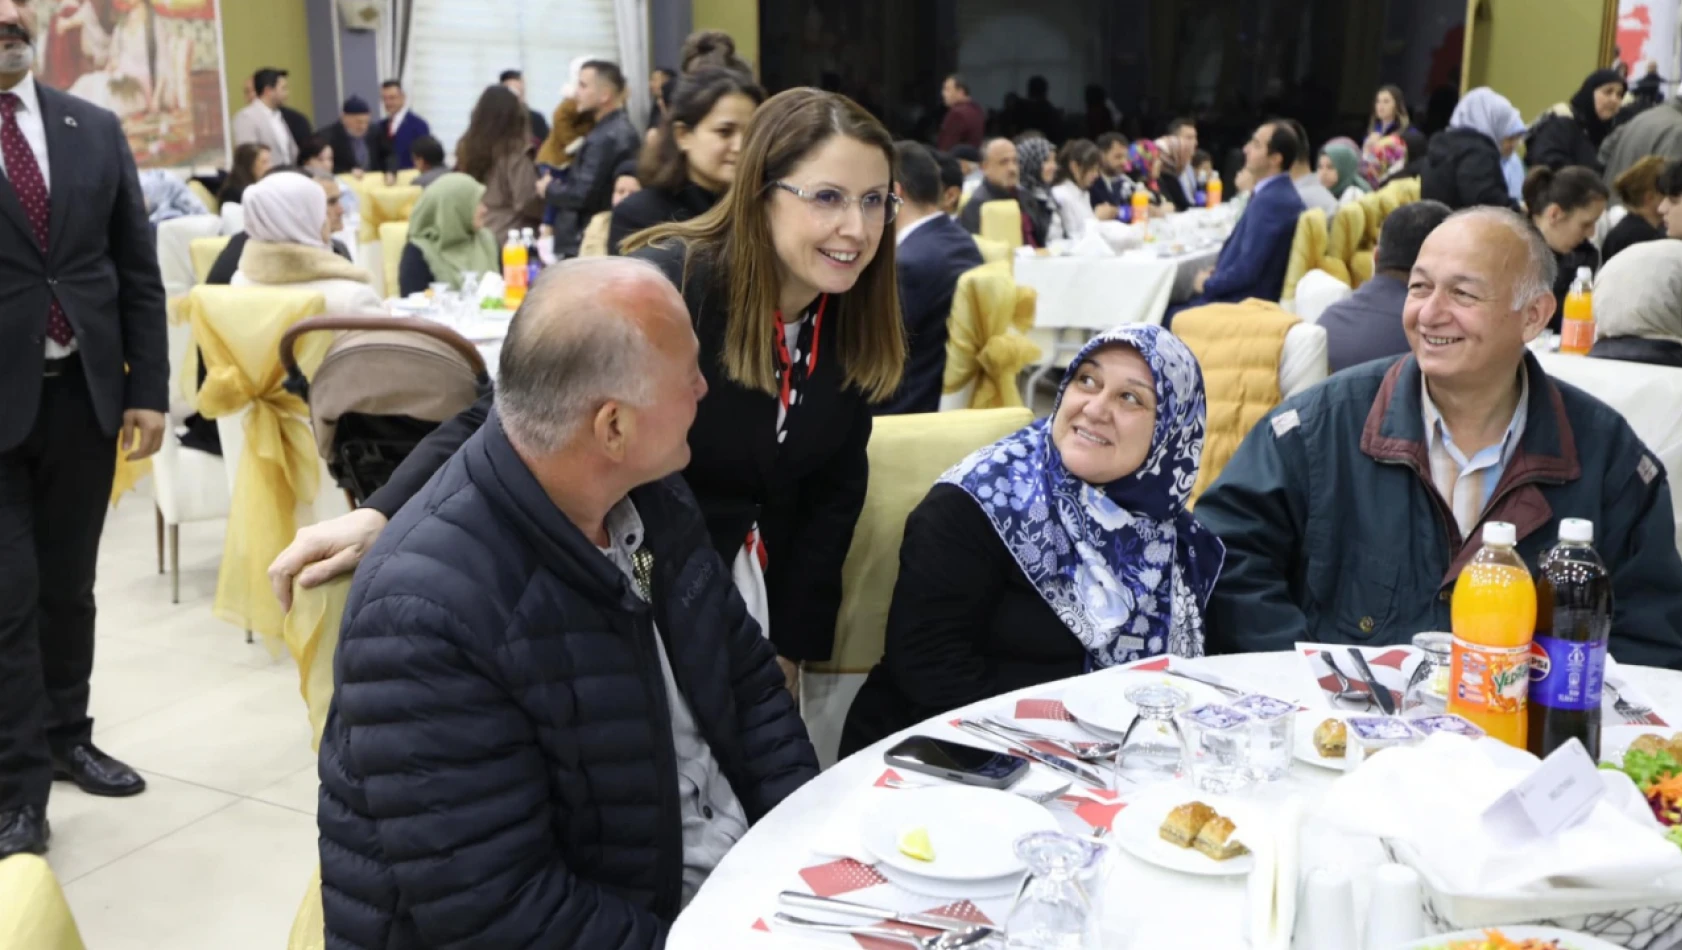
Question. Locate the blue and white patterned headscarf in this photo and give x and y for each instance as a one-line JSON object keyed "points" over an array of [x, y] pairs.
{"points": [[1124, 565]]}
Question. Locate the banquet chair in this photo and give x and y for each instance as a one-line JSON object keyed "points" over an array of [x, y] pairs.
{"points": [[205, 197], [1308, 250], [1316, 291], [204, 252], [907, 454], [386, 203], [1002, 221], [273, 483], [986, 342], [1254, 355], [233, 218], [1641, 393], [394, 236], [407, 176], [992, 252], [175, 250], [33, 912]]}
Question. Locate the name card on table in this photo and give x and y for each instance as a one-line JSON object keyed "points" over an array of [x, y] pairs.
{"points": [[1560, 793]]}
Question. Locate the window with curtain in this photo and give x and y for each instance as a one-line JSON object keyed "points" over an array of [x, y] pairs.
{"points": [[457, 49]]}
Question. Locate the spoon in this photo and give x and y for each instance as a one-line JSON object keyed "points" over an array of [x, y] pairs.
{"points": [[951, 940], [1346, 693]]}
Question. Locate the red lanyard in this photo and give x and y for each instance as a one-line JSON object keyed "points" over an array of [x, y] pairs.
{"points": [[784, 362]]}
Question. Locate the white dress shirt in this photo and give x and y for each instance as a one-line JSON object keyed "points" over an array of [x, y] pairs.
{"points": [[395, 122], [34, 129]]}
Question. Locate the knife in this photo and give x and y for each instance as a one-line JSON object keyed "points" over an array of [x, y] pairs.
{"points": [[830, 905], [1380, 692], [1017, 748]]}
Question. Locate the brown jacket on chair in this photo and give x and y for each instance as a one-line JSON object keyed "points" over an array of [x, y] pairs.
{"points": [[1239, 346]]}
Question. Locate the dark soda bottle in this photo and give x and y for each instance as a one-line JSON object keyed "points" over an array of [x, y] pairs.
{"points": [[1568, 656]]}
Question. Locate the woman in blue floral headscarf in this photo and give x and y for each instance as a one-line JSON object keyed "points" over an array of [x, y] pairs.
{"points": [[1063, 547]]}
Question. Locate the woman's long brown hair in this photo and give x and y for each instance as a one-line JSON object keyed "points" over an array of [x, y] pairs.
{"points": [[498, 126], [735, 239]]}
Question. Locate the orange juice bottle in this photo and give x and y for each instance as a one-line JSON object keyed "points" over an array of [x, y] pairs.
{"points": [[1141, 209], [1576, 331], [1494, 619], [1214, 192], [514, 274]]}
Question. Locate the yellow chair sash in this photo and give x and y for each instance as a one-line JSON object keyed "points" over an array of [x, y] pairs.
{"points": [[985, 342], [204, 252], [394, 235], [239, 330], [33, 913], [386, 203], [309, 926], [129, 473], [1002, 221]]}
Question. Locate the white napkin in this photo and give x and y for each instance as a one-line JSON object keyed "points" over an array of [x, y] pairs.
{"points": [[1432, 797], [1091, 244], [1271, 888], [1119, 235], [491, 286]]}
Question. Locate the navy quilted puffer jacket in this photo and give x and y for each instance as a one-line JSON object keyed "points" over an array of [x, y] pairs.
{"points": [[498, 769]]}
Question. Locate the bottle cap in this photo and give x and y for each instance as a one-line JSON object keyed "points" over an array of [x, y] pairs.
{"points": [[513, 234], [1500, 533], [1584, 273], [1576, 531]]}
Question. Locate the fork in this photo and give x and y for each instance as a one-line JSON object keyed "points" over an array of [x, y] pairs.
{"points": [[1037, 797], [1099, 751], [1632, 712]]}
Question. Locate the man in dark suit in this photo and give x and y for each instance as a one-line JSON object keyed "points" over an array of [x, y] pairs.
{"points": [[1112, 186], [933, 250], [397, 132], [1253, 261], [1368, 325], [1001, 180], [354, 147], [82, 356]]}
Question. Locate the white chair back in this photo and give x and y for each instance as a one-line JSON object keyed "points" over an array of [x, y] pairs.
{"points": [[1645, 395], [175, 258], [1315, 292], [1302, 361], [233, 218]]}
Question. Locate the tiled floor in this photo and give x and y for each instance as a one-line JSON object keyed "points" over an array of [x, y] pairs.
{"points": [[218, 850]]}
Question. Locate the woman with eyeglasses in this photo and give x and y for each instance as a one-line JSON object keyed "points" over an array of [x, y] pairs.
{"points": [[790, 283]]}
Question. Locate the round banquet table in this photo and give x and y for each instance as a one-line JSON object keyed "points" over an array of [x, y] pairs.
{"points": [[1143, 906]]}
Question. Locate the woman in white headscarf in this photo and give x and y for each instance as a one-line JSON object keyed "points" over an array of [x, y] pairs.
{"points": [[1638, 305], [288, 246], [1463, 167]]}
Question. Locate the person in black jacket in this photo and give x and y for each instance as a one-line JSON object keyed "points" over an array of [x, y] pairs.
{"points": [[587, 188], [1571, 133], [694, 158], [1463, 164], [1565, 206], [1076, 552], [778, 462], [933, 251], [356, 149], [553, 715], [1638, 191]]}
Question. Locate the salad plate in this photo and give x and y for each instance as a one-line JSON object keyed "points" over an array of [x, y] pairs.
{"points": [[1511, 938]]}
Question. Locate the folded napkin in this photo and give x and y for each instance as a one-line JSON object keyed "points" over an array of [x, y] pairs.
{"points": [[1432, 796], [1092, 244]]}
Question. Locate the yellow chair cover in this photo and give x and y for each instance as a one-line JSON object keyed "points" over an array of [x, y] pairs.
{"points": [[239, 330], [907, 454], [594, 241], [994, 252], [1308, 248], [1002, 221], [407, 176], [985, 341], [385, 203], [33, 914], [205, 197], [393, 236], [129, 473], [309, 927], [204, 252], [1348, 227]]}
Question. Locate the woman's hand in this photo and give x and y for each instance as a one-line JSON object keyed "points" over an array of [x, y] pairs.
{"points": [[1105, 212], [791, 677]]}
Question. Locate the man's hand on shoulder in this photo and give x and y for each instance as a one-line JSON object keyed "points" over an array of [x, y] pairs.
{"points": [[323, 551]]}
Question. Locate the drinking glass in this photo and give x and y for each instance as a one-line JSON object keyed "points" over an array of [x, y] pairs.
{"points": [[1427, 689], [1153, 748], [1053, 910], [1272, 736], [1218, 747]]}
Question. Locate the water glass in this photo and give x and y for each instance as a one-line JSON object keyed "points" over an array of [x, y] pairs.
{"points": [[1053, 911], [1218, 747], [1427, 689], [1272, 736], [1153, 749]]}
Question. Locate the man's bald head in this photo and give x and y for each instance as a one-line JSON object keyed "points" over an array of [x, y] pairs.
{"points": [[1507, 247], [590, 331], [999, 165]]}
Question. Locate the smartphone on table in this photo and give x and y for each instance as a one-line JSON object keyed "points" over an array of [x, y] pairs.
{"points": [[966, 764]]}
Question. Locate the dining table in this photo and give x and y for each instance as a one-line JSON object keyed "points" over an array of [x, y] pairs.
{"points": [[1141, 906]]}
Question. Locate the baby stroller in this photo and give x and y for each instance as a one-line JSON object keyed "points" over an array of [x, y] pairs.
{"points": [[384, 384]]}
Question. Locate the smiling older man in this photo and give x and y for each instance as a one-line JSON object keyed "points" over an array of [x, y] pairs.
{"points": [[1349, 512]]}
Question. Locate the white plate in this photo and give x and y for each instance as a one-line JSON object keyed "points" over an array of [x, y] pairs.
{"points": [[951, 890], [1099, 700], [1307, 722], [1568, 940], [973, 831], [1136, 827], [1615, 740]]}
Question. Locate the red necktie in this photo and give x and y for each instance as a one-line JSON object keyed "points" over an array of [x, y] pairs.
{"points": [[31, 190]]}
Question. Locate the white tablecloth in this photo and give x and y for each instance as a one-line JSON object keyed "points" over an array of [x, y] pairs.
{"points": [[1144, 907], [1077, 296], [485, 330]]}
